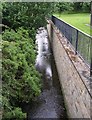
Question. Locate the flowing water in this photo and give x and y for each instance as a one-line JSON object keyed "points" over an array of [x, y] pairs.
{"points": [[50, 104]]}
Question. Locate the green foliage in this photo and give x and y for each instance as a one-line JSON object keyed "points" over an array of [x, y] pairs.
{"points": [[86, 7], [73, 7], [77, 6], [82, 6], [16, 113], [64, 6], [20, 80], [26, 14], [0, 9]]}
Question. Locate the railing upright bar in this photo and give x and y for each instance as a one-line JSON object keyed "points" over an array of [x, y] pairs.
{"points": [[91, 59], [91, 68], [76, 46]]}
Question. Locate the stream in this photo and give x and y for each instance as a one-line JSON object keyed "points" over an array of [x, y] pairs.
{"points": [[50, 104]]}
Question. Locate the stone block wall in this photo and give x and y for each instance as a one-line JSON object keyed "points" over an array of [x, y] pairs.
{"points": [[77, 93]]}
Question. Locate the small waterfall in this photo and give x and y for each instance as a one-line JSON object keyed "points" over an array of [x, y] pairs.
{"points": [[50, 103], [43, 64]]}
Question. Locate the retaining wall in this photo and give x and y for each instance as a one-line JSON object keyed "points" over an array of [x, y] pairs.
{"points": [[73, 75]]}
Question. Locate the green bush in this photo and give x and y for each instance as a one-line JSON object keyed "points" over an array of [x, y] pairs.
{"points": [[20, 81], [15, 113], [29, 15], [86, 7]]}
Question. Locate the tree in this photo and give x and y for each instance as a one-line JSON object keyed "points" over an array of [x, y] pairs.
{"points": [[71, 7], [77, 6], [28, 15], [64, 6]]}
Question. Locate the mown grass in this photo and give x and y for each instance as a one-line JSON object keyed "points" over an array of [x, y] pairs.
{"points": [[79, 20]]}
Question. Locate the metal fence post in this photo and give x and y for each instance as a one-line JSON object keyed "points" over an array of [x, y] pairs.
{"points": [[91, 58], [76, 45], [52, 19], [91, 43]]}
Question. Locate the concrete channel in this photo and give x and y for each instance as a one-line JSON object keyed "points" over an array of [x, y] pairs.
{"points": [[50, 104]]}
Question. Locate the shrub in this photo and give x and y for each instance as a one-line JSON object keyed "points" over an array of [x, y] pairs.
{"points": [[20, 80]]}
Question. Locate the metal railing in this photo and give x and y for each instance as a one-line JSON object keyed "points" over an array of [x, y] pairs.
{"points": [[80, 40]]}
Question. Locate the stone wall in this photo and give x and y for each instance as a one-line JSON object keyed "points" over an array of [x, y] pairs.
{"points": [[75, 85]]}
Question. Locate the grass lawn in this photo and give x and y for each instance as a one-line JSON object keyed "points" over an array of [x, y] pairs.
{"points": [[79, 20]]}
